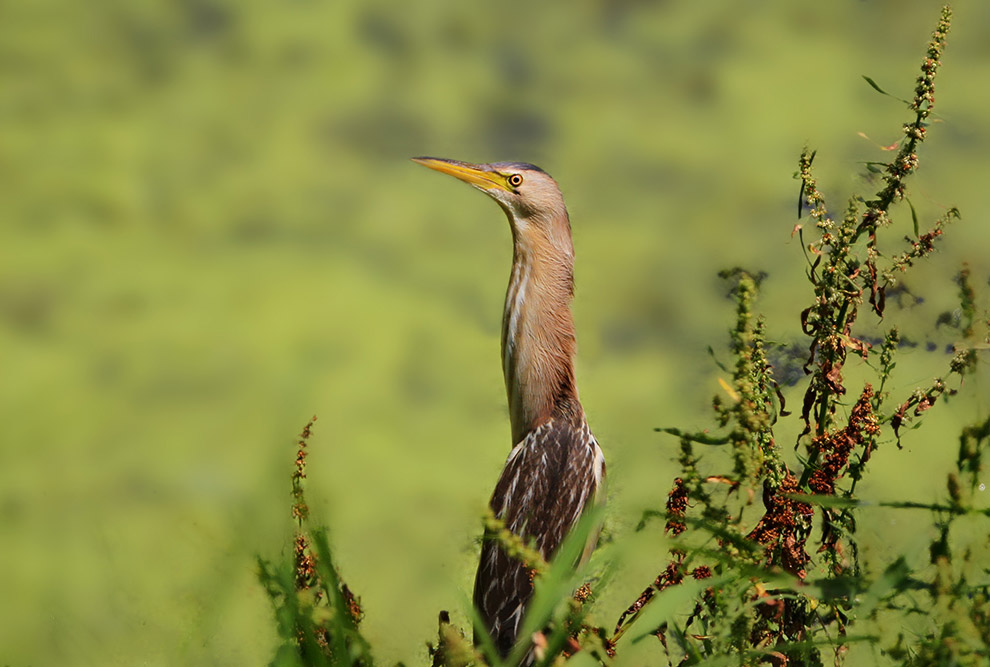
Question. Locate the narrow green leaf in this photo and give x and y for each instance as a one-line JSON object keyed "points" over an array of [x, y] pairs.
{"points": [[801, 200], [914, 219], [701, 438], [711, 353], [873, 84], [555, 586], [485, 643], [823, 500], [348, 645]]}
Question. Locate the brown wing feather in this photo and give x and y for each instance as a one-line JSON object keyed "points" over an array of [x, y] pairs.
{"points": [[548, 480]]}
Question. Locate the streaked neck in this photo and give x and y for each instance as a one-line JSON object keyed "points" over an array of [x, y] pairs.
{"points": [[538, 340]]}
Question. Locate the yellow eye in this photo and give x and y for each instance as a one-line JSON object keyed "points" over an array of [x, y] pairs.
{"points": [[515, 180]]}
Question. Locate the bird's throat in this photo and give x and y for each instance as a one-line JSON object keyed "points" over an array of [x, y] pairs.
{"points": [[538, 341]]}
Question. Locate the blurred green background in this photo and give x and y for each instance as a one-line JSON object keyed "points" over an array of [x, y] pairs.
{"points": [[211, 231]]}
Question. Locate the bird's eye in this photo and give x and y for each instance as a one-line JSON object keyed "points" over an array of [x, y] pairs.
{"points": [[515, 180]]}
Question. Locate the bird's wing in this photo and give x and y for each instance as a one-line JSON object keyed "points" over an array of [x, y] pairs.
{"points": [[548, 480]]}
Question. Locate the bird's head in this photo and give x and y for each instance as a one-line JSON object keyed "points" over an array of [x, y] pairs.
{"points": [[529, 196]]}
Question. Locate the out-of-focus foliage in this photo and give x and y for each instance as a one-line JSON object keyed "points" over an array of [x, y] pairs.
{"points": [[209, 231]]}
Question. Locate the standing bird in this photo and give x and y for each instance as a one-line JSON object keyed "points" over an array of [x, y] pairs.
{"points": [[555, 468]]}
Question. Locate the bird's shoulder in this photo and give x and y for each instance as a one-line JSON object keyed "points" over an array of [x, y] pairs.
{"points": [[548, 479], [560, 437]]}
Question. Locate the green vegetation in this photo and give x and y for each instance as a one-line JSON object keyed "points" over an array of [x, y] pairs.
{"points": [[741, 586], [211, 231]]}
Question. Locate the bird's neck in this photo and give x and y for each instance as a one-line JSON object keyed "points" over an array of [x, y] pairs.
{"points": [[538, 340]]}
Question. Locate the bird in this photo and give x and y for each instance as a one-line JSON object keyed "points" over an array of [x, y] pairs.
{"points": [[556, 468]]}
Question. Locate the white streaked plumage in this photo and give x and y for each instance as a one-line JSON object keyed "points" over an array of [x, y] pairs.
{"points": [[548, 480], [555, 468]]}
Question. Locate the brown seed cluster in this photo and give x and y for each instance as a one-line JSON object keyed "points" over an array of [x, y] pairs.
{"points": [[836, 446], [300, 510], [677, 504], [784, 526], [353, 604], [921, 400], [306, 576]]}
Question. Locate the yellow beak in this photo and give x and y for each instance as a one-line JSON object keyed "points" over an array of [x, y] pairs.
{"points": [[475, 174]]}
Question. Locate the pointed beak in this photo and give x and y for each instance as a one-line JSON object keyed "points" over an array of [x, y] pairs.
{"points": [[475, 174]]}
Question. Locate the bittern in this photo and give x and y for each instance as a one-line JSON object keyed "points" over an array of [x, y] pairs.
{"points": [[555, 468]]}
